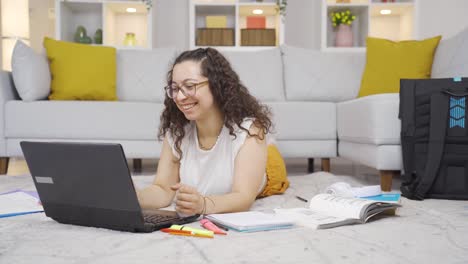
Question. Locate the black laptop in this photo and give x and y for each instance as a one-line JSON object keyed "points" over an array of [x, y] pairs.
{"points": [[89, 184]]}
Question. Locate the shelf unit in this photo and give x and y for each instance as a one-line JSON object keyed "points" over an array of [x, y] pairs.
{"points": [[398, 25], [235, 34], [110, 16]]}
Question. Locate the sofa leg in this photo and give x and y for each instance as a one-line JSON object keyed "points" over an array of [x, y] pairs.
{"points": [[310, 165], [137, 165], [386, 177], [4, 165], [326, 164]]}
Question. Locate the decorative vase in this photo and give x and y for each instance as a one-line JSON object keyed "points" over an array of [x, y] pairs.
{"points": [[81, 36], [130, 39], [344, 36], [98, 36]]}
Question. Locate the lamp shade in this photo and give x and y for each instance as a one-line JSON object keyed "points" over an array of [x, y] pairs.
{"points": [[15, 25]]}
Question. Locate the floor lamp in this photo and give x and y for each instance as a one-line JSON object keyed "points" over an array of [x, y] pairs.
{"points": [[15, 26]]}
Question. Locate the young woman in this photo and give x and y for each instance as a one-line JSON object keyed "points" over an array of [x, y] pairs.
{"points": [[215, 157]]}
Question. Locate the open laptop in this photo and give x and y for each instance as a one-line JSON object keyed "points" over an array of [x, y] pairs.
{"points": [[89, 184]]}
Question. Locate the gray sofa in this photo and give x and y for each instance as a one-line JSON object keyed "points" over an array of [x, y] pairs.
{"points": [[301, 87]]}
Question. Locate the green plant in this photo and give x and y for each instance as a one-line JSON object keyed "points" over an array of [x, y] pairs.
{"points": [[281, 6], [148, 3], [342, 17]]}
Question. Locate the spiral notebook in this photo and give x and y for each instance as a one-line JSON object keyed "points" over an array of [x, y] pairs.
{"points": [[252, 221]]}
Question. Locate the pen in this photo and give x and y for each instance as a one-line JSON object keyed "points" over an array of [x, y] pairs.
{"points": [[168, 230], [221, 227], [302, 199]]}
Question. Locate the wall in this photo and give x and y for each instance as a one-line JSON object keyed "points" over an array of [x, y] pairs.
{"points": [[171, 23], [41, 23], [303, 23], [441, 17]]}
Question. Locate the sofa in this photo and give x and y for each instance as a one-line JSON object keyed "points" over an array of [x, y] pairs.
{"points": [[312, 95], [304, 105]]}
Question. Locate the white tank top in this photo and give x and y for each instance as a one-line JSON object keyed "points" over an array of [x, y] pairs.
{"points": [[211, 172]]}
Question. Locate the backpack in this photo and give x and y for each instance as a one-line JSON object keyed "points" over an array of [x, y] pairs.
{"points": [[434, 138]]}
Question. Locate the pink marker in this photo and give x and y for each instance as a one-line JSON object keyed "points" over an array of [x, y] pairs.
{"points": [[210, 226]]}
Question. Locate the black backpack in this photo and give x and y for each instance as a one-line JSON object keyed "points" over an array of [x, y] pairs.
{"points": [[434, 138]]}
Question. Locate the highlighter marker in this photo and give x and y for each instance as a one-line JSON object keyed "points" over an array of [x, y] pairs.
{"points": [[195, 230], [210, 226]]}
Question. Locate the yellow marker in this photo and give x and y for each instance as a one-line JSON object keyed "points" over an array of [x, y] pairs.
{"points": [[195, 230]]}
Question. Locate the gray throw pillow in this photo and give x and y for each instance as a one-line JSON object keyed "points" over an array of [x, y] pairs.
{"points": [[31, 73]]}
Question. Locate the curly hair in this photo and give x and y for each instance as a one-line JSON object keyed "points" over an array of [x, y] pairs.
{"points": [[230, 95]]}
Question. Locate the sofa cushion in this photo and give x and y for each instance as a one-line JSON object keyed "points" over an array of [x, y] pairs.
{"points": [[80, 71], [82, 120], [371, 119], [260, 71], [388, 61], [451, 58], [141, 74], [321, 76], [304, 120], [30, 73]]}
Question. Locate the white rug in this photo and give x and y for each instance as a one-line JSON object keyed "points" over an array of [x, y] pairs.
{"points": [[432, 231]]}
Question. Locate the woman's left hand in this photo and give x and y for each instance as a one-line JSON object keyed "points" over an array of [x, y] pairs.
{"points": [[188, 200]]}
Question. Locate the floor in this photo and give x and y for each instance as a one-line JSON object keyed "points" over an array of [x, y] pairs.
{"points": [[295, 167]]}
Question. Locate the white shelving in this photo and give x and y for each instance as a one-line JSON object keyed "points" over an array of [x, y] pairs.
{"points": [[234, 35], [110, 16], [398, 25]]}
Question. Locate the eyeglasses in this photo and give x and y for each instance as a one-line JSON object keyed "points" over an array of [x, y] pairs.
{"points": [[188, 89]]}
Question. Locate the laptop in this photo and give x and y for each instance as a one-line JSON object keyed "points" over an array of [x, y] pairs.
{"points": [[89, 184]]}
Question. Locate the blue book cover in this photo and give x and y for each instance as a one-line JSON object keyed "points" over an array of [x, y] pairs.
{"points": [[385, 197]]}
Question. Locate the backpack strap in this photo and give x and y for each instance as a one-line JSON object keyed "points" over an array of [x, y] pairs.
{"points": [[437, 131], [407, 106]]}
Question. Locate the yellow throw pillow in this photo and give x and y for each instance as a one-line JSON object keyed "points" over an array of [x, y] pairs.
{"points": [[389, 61], [81, 72]]}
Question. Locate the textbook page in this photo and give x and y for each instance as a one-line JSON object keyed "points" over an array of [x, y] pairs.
{"points": [[308, 218], [342, 207]]}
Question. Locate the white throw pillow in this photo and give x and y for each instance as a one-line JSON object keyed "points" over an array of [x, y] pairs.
{"points": [[31, 73]]}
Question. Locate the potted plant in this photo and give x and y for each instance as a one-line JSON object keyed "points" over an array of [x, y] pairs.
{"points": [[281, 7], [342, 20]]}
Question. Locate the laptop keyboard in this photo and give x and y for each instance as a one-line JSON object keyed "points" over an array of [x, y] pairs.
{"points": [[157, 219]]}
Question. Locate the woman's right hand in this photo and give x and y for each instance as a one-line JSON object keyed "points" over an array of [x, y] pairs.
{"points": [[188, 200]]}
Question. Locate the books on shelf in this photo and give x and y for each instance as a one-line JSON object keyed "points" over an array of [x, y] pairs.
{"points": [[327, 211], [216, 21], [18, 203], [256, 22], [251, 221]]}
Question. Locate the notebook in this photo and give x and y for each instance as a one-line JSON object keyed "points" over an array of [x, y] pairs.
{"points": [[19, 202], [251, 221], [89, 184]]}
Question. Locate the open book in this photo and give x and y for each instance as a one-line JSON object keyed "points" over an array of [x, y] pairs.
{"points": [[327, 210]]}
